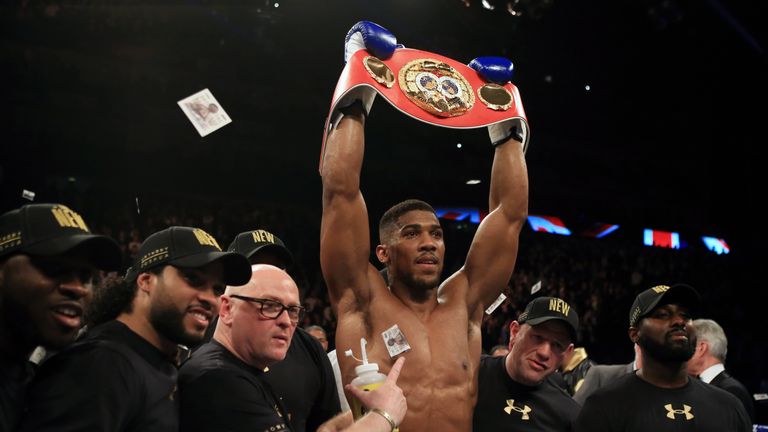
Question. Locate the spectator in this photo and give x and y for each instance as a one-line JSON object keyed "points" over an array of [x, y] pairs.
{"points": [[708, 362], [48, 262], [661, 396], [304, 378], [514, 392], [122, 375]]}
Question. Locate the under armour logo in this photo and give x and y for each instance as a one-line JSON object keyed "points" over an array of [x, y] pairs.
{"points": [[672, 412], [524, 410]]}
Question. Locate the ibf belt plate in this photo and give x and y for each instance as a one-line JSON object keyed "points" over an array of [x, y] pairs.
{"points": [[436, 87]]}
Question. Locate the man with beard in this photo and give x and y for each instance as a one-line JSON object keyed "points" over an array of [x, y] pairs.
{"points": [[661, 396], [122, 375], [48, 261]]}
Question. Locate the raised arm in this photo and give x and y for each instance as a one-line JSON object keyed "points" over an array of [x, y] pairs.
{"points": [[344, 233], [492, 255], [493, 252]]}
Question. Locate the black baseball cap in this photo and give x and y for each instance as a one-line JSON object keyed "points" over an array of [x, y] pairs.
{"points": [[55, 229], [188, 247], [249, 242], [542, 309], [647, 300]]}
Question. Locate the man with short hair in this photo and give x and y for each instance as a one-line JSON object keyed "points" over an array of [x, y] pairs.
{"points": [[515, 392], [304, 378], [661, 396], [436, 326], [708, 362], [318, 333], [48, 262], [122, 375]]}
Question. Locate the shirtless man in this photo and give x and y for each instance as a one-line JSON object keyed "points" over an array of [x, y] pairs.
{"points": [[441, 322]]}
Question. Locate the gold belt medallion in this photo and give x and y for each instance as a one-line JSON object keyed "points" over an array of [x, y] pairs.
{"points": [[436, 87]]}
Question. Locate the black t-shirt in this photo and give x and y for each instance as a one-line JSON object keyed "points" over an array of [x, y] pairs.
{"points": [[111, 380], [304, 381], [505, 405], [14, 376], [219, 392], [630, 404]]}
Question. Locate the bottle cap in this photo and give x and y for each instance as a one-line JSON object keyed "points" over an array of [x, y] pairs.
{"points": [[365, 367], [368, 367]]}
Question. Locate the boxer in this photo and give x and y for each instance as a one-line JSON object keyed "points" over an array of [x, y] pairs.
{"points": [[438, 323]]}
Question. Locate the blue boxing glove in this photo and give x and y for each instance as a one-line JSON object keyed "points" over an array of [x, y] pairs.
{"points": [[380, 42], [370, 36], [499, 70]]}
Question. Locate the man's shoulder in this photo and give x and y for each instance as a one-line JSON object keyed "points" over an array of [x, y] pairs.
{"points": [[613, 368], [557, 395], [492, 367], [209, 357], [725, 381], [92, 356], [621, 386], [305, 341], [713, 391]]}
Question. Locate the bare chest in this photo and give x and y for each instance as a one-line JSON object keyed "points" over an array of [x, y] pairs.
{"points": [[442, 354]]}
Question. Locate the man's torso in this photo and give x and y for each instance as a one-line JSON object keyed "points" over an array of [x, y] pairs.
{"points": [[504, 405], [305, 382], [633, 405], [111, 380], [218, 391], [438, 378]]}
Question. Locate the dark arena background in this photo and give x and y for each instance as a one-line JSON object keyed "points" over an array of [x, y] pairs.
{"points": [[647, 114]]}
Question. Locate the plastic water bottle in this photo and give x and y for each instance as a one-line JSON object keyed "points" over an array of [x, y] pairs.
{"points": [[368, 378]]}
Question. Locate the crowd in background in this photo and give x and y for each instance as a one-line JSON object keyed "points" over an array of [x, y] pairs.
{"points": [[599, 277]]}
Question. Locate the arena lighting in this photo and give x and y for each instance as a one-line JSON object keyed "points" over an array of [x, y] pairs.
{"points": [[663, 239], [487, 5], [599, 230], [465, 214], [548, 224], [473, 181], [513, 8], [716, 245]]}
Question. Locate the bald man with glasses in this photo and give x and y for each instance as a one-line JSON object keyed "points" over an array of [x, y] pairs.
{"points": [[222, 387]]}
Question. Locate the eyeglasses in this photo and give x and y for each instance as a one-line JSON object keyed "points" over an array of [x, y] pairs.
{"points": [[273, 309]]}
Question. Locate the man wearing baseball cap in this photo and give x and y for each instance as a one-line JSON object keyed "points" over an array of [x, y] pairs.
{"points": [[661, 396], [304, 378], [48, 259], [514, 392], [262, 247], [122, 375]]}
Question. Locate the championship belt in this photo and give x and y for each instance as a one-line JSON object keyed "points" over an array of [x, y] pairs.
{"points": [[431, 88]]}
